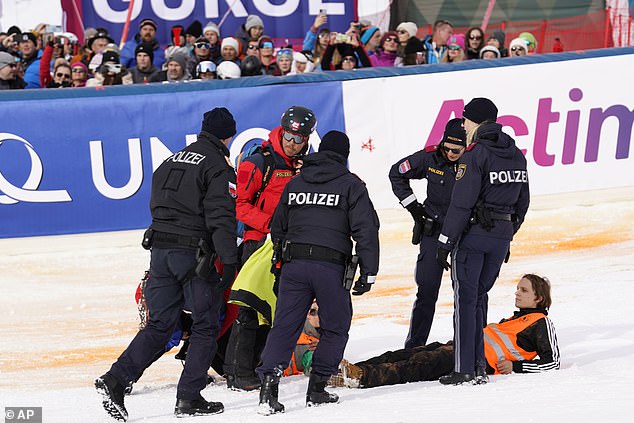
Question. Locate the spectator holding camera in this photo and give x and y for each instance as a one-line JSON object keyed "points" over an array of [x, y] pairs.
{"points": [[62, 76], [386, 54], [9, 79], [110, 72], [349, 50], [10, 42], [312, 36], [144, 69]]}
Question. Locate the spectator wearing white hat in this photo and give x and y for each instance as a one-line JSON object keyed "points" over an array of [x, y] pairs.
{"points": [[205, 70], [212, 33], [301, 64], [229, 51], [228, 70], [518, 47], [489, 52], [9, 79]]}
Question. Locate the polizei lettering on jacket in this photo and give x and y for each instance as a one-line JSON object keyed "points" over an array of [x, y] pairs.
{"points": [[187, 157], [506, 176], [313, 198]]}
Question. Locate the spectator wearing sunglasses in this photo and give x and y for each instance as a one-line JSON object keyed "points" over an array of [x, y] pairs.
{"points": [[266, 56], [144, 70], [284, 60], [409, 46], [9, 79], [387, 53], [110, 72], [455, 49], [348, 51], [518, 47], [229, 51], [205, 70], [62, 76], [437, 164], [253, 48], [321, 212], [311, 39], [53, 49], [80, 74], [497, 39], [146, 34], [279, 158], [475, 42], [436, 43]]}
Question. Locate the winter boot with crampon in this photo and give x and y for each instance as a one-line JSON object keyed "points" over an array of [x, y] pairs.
{"points": [[317, 394]]}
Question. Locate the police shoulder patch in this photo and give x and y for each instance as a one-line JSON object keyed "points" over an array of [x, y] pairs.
{"points": [[472, 145], [404, 167], [431, 148], [462, 169], [232, 190]]}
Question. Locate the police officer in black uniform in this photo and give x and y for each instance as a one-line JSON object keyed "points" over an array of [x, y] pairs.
{"points": [[320, 209], [193, 220], [438, 164], [489, 201]]}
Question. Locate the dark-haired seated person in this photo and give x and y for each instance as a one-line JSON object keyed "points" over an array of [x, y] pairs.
{"points": [[524, 343]]}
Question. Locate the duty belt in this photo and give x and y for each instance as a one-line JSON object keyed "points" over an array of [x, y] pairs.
{"points": [[166, 240], [314, 252], [502, 216]]}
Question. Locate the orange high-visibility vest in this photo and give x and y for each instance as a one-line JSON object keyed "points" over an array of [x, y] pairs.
{"points": [[293, 368], [500, 340]]}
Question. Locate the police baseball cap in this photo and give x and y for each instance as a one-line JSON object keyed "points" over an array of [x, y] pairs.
{"points": [[455, 133]]}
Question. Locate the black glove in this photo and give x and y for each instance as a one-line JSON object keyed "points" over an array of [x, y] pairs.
{"points": [[228, 275], [362, 285], [441, 257], [417, 211], [508, 256]]}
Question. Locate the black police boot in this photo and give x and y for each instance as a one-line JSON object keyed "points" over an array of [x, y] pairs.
{"points": [[197, 407], [317, 394], [268, 396], [112, 393], [481, 377], [457, 378], [243, 383]]}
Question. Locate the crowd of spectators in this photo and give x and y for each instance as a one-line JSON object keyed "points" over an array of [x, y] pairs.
{"points": [[41, 59]]}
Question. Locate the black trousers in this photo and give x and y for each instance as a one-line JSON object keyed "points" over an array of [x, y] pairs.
{"points": [[165, 297]]}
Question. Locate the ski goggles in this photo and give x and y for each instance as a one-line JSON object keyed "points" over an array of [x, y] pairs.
{"points": [[296, 138], [206, 66]]}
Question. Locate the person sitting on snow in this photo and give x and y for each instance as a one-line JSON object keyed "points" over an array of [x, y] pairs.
{"points": [[524, 343]]}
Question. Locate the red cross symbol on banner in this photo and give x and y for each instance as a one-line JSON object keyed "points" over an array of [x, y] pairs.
{"points": [[367, 145]]}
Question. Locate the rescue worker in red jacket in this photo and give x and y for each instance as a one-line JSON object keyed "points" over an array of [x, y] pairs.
{"points": [[524, 343], [261, 180]]}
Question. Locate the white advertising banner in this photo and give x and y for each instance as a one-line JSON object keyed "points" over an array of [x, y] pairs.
{"points": [[573, 119]]}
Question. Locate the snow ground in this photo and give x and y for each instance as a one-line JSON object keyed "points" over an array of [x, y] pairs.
{"points": [[67, 310]]}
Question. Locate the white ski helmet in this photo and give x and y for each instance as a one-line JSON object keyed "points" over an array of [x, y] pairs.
{"points": [[228, 70]]}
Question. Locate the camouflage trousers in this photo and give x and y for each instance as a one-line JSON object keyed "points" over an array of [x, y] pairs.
{"points": [[417, 364]]}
